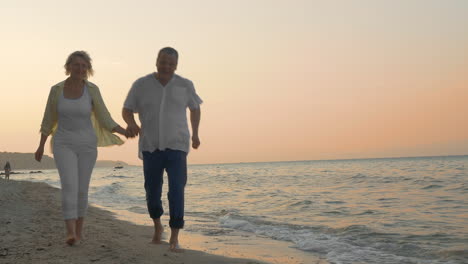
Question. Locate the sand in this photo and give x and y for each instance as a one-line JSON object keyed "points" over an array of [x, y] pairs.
{"points": [[32, 231]]}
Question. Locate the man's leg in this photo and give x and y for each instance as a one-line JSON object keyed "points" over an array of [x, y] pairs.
{"points": [[153, 170], [158, 230], [177, 175]]}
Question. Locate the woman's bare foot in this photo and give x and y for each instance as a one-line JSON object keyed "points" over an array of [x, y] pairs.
{"points": [[71, 232], [158, 230], [71, 240], [79, 229]]}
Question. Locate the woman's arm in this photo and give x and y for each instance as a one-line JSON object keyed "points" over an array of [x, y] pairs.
{"points": [[102, 114], [40, 149], [119, 130]]}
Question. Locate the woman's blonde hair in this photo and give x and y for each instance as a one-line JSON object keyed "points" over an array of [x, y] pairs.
{"points": [[85, 56]]}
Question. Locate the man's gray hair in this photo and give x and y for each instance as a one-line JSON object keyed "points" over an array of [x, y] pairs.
{"points": [[169, 51]]}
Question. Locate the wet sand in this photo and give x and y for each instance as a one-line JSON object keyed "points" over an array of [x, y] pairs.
{"points": [[32, 231]]}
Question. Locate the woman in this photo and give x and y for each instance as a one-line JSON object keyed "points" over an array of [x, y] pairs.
{"points": [[78, 119]]}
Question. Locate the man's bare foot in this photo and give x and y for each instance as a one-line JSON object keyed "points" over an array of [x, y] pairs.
{"points": [[174, 247], [174, 241], [158, 230], [71, 240]]}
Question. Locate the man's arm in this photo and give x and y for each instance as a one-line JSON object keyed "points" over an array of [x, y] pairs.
{"points": [[132, 128], [195, 116]]}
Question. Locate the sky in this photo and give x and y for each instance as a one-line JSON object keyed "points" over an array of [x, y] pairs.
{"points": [[281, 79]]}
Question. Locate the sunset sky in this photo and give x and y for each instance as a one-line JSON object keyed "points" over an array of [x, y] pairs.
{"points": [[280, 79]]}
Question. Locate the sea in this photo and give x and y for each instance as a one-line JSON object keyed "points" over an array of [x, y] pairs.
{"points": [[385, 211]]}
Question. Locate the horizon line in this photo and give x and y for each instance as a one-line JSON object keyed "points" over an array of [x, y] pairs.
{"points": [[343, 159], [277, 161]]}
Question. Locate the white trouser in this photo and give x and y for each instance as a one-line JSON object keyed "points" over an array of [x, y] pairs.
{"points": [[75, 165]]}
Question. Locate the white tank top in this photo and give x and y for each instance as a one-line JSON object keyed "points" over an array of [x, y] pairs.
{"points": [[74, 121]]}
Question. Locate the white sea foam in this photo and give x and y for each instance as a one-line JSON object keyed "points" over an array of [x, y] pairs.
{"points": [[336, 249]]}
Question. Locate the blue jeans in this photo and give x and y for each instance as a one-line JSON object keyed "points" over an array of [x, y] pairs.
{"points": [[175, 164]]}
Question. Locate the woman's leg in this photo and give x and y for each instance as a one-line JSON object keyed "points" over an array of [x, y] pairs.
{"points": [[86, 162], [67, 165], [79, 228]]}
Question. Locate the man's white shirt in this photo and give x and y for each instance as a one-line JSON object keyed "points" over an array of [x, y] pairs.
{"points": [[162, 111]]}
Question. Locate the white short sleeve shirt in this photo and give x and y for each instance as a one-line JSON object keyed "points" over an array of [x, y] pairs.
{"points": [[162, 111]]}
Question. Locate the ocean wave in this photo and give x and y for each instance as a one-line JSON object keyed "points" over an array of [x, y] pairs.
{"points": [[117, 176], [432, 186], [114, 194], [456, 254], [359, 176], [351, 244], [137, 209], [388, 199], [368, 212], [335, 202], [112, 188], [301, 203], [333, 212]]}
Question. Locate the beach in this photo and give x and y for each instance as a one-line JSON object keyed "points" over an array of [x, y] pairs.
{"points": [[386, 211], [32, 231]]}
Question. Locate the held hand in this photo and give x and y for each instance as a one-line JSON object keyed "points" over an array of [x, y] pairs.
{"points": [[120, 131], [195, 141], [39, 153], [132, 131]]}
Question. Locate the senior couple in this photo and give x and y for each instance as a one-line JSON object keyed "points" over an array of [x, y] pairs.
{"points": [[79, 122]]}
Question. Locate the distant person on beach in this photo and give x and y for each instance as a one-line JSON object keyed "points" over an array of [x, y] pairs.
{"points": [[161, 100], [78, 119], [7, 169]]}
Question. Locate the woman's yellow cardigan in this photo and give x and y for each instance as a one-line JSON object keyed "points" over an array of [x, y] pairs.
{"points": [[100, 117]]}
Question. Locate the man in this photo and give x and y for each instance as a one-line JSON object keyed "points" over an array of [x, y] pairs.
{"points": [[7, 169], [161, 100]]}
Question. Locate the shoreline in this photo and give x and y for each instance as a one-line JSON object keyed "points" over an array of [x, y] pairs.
{"points": [[230, 243], [33, 232]]}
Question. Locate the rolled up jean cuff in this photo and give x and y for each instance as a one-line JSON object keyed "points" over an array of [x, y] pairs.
{"points": [[176, 223]]}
